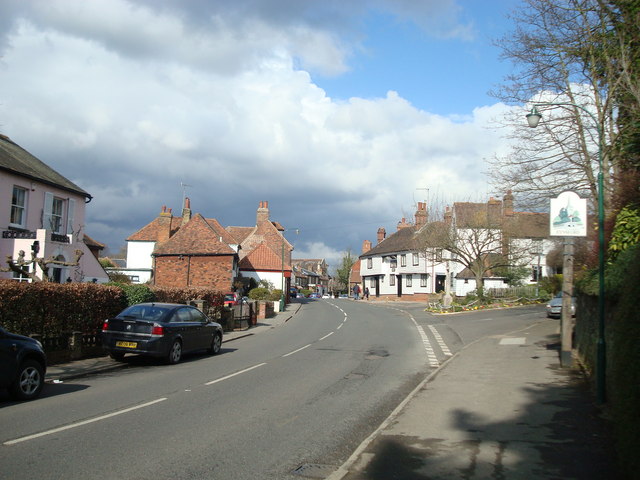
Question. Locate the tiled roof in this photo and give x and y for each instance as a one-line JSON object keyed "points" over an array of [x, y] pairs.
{"points": [[197, 237], [240, 233], [528, 225], [227, 237], [149, 233], [267, 233], [354, 274], [16, 160], [478, 215], [401, 241], [263, 258], [90, 242]]}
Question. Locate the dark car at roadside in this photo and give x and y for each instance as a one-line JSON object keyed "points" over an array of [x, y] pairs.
{"points": [[163, 330], [23, 365]]}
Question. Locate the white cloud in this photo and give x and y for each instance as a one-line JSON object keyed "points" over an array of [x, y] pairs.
{"points": [[128, 101]]}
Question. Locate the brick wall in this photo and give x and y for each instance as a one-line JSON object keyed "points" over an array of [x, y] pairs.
{"points": [[195, 271]]}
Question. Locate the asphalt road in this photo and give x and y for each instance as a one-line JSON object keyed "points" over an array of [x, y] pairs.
{"points": [[270, 406]]}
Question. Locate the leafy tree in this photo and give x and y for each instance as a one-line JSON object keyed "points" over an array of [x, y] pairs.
{"points": [[344, 270]]}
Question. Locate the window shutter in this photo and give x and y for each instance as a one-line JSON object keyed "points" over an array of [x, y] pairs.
{"points": [[47, 212], [71, 206]]}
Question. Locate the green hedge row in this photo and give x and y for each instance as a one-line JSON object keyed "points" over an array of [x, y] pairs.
{"points": [[52, 309]]}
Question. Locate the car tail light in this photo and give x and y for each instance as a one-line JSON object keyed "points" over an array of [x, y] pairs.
{"points": [[105, 325], [157, 330]]}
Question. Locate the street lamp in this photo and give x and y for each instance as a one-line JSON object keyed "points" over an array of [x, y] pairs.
{"points": [[533, 118]]}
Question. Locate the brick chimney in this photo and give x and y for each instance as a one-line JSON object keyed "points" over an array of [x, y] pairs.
{"points": [[186, 211], [494, 212], [366, 246], [164, 224], [508, 204], [262, 214], [403, 224], [382, 233], [447, 215], [421, 214]]}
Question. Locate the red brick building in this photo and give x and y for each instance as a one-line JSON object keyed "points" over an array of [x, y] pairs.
{"points": [[198, 251], [195, 256]]}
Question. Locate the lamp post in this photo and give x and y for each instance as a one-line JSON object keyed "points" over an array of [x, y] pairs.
{"points": [[533, 119]]}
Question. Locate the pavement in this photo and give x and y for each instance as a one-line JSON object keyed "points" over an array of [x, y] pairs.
{"points": [[501, 408], [80, 368]]}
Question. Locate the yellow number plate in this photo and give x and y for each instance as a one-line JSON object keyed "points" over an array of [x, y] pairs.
{"points": [[126, 344]]}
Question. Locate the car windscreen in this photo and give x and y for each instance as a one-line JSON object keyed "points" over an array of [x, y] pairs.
{"points": [[143, 312]]}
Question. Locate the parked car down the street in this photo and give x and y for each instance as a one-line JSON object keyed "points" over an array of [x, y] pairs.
{"points": [[554, 307], [23, 364], [165, 330], [231, 299]]}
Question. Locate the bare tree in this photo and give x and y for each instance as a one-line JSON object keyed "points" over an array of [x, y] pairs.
{"points": [[476, 240], [22, 266], [563, 52]]}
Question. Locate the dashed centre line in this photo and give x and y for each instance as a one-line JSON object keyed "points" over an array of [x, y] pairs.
{"points": [[84, 422], [234, 374], [296, 351]]}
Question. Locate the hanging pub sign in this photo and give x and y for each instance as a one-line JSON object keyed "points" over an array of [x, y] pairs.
{"points": [[568, 216]]}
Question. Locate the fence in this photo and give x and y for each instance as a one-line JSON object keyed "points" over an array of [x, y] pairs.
{"points": [[70, 346], [527, 291]]}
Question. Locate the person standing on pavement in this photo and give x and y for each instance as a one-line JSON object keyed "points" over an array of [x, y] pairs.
{"points": [[366, 293]]}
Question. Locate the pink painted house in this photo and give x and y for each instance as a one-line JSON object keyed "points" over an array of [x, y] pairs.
{"points": [[42, 210]]}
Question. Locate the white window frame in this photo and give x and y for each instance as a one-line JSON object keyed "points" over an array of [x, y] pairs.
{"points": [[369, 263], [19, 277], [416, 259], [424, 279], [17, 207], [55, 220], [392, 280], [409, 280], [403, 260]]}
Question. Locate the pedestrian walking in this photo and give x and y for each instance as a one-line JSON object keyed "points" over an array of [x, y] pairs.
{"points": [[366, 293]]}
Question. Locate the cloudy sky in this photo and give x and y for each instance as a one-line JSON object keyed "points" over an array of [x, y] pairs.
{"points": [[341, 114]]}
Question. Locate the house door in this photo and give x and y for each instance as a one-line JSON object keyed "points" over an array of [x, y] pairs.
{"points": [[440, 279], [399, 283], [377, 286]]}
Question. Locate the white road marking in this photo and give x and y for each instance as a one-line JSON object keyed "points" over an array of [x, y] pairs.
{"points": [[84, 422], [441, 344], [513, 341], [431, 354], [296, 351], [234, 374], [326, 336]]}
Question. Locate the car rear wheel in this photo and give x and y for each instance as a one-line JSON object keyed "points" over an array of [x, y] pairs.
{"points": [[29, 382], [216, 344], [175, 353], [117, 356]]}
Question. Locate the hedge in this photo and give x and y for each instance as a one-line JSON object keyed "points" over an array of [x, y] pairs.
{"points": [[52, 309], [49, 309]]}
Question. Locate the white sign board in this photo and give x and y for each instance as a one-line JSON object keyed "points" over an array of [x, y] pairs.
{"points": [[568, 216]]}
